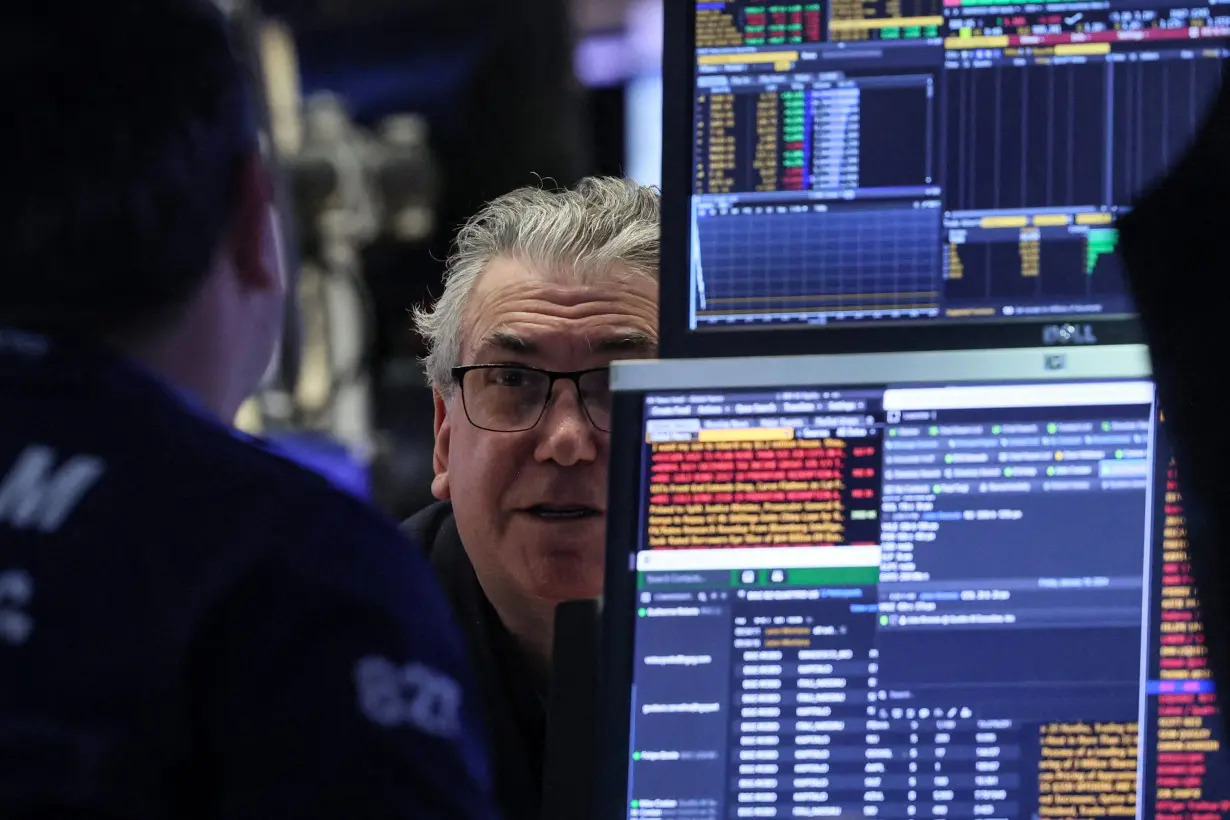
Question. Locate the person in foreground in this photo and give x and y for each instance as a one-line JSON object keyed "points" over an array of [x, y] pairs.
{"points": [[190, 627], [543, 291]]}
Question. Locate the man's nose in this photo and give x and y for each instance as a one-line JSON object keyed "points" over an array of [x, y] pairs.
{"points": [[566, 435]]}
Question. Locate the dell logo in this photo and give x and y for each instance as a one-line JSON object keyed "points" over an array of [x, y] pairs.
{"points": [[1068, 335]]}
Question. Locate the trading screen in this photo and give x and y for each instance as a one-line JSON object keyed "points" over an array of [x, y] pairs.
{"points": [[915, 160], [917, 602]]}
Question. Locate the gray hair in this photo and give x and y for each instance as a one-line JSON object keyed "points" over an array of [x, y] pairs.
{"points": [[582, 234]]}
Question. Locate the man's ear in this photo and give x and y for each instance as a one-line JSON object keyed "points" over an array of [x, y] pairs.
{"points": [[255, 239], [439, 454]]}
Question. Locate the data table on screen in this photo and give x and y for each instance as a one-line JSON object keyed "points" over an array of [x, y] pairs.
{"points": [[1024, 129], [885, 602]]}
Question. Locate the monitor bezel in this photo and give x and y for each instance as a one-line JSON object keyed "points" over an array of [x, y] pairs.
{"points": [[633, 381], [679, 341]]}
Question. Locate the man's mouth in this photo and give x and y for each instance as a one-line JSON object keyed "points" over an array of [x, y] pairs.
{"points": [[562, 512]]}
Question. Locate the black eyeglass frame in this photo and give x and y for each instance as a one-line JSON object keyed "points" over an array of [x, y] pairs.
{"points": [[574, 376]]}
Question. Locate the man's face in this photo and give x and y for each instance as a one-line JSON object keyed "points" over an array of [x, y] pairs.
{"points": [[504, 485]]}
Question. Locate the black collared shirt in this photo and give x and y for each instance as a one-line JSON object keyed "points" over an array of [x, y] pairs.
{"points": [[515, 708]]}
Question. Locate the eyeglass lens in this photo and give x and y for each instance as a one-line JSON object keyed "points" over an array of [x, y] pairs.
{"points": [[509, 399]]}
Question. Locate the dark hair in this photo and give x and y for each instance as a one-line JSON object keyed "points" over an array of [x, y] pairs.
{"points": [[129, 122]]}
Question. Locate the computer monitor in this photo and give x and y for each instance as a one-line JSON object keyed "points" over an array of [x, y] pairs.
{"points": [[949, 168], [944, 585]]}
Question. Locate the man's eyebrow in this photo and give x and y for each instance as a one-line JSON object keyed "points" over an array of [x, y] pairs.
{"points": [[636, 342], [508, 342]]}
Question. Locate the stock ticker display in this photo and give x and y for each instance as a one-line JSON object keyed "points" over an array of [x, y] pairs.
{"points": [[970, 602], [864, 160]]}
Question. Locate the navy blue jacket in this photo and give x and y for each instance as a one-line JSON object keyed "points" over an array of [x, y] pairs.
{"points": [[192, 627]]}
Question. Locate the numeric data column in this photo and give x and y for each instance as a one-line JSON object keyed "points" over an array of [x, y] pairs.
{"points": [[803, 695]]}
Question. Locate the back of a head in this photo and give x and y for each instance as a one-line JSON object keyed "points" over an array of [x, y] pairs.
{"points": [[128, 123]]}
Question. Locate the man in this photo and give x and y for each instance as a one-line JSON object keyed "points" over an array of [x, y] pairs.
{"points": [[190, 627], [543, 291]]}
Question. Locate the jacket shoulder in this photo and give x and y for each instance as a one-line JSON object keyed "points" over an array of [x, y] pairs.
{"points": [[424, 526]]}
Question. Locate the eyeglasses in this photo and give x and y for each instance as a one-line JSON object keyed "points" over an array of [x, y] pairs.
{"points": [[513, 398]]}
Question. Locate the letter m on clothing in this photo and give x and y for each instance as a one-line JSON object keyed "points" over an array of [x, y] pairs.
{"points": [[36, 494]]}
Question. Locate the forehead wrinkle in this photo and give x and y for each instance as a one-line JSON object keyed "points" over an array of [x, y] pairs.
{"points": [[533, 311], [530, 299], [530, 294]]}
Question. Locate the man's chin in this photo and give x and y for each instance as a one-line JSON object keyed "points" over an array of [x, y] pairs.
{"points": [[566, 576]]}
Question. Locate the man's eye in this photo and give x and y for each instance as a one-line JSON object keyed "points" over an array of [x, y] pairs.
{"points": [[509, 378]]}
